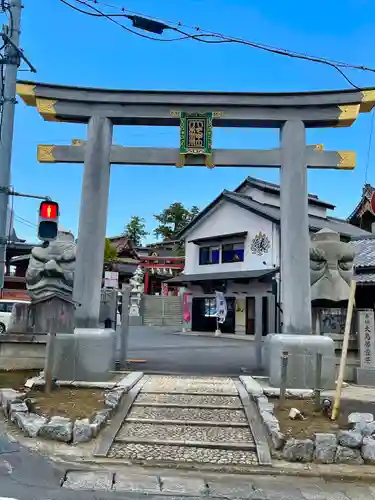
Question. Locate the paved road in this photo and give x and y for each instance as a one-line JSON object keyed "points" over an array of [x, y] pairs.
{"points": [[167, 352], [25, 476], [28, 476]]}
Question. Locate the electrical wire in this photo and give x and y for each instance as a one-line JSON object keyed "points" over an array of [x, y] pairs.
{"points": [[26, 222], [201, 37], [198, 29]]}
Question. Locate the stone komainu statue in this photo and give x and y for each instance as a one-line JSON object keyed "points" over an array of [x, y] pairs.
{"points": [[49, 280], [331, 268], [51, 268]]}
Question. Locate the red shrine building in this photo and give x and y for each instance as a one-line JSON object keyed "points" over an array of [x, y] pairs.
{"points": [[159, 261]]}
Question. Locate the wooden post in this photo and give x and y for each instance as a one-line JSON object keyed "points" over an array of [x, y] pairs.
{"points": [[50, 357], [318, 380], [317, 315], [344, 352], [284, 370], [124, 327], [217, 331]]}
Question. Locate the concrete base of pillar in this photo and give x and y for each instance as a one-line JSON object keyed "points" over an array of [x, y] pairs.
{"points": [[302, 350], [364, 376], [87, 354], [135, 320]]}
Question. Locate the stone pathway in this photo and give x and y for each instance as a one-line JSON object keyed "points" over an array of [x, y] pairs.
{"points": [[196, 420]]}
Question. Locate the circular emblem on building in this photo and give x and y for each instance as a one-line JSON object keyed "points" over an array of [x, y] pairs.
{"points": [[260, 244]]}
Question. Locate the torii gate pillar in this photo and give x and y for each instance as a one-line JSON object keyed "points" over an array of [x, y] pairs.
{"points": [[297, 339], [92, 222], [295, 244]]}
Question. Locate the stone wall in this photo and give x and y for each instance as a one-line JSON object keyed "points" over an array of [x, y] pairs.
{"points": [[355, 446], [22, 351]]}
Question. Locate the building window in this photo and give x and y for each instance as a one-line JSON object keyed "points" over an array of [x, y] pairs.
{"points": [[232, 252], [209, 255]]}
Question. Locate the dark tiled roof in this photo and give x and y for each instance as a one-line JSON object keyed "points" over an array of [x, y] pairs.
{"points": [[365, 278], [364, 252], [315, 223], [272, 212], [275, 188]]}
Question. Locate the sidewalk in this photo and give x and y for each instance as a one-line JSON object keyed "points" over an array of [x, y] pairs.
{"points": [[174, 484]]}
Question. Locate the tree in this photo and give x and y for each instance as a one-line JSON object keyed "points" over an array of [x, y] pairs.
{"points": [[173, 219], [109, 251], [135, 230]]}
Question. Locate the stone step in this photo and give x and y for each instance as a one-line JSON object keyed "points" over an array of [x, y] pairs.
{"points": [[162, 453], [162, 321], [158, 314], [221, 415], [223, 437], [175, 384], [190, 405], [192, 378], [211, 423], [219, 445], [189, 399]]}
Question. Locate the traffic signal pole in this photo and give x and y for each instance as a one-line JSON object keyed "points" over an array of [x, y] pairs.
{"points": [[12, 60]]}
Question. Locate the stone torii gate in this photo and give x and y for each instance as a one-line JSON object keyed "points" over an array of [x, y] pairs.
{"points": [[291, 113]]}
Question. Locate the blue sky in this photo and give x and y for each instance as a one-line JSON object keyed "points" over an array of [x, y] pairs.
{"points": [[69, 48]]}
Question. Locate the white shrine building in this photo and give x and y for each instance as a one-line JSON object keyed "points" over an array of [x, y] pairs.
{"points": [[233, 245]]}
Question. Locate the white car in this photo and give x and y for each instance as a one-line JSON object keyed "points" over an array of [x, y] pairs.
{"points": [[6, 306]]}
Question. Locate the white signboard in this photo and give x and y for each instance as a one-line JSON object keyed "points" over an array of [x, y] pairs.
{"points": [[366, 338], [221, 307], [110, 279]]}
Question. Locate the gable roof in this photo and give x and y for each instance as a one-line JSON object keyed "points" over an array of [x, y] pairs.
{"points": [[270, 187], [363, 203], [273, 214]]}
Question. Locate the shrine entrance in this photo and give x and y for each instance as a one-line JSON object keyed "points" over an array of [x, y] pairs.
{"points": [[197, 114]]}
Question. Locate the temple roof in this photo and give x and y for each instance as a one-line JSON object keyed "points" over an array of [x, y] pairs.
{"points": [[273, 214], [271, 187], [364, 204]]}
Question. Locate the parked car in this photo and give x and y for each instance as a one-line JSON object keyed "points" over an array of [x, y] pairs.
{"points": [[6, 306]]}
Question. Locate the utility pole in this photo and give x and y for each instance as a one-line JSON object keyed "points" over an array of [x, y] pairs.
{"points": [[11, 60]]}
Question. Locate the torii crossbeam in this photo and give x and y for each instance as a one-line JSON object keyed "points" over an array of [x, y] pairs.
{"points": [[315, 156]]}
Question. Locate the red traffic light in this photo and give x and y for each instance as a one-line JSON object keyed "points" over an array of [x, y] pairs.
{"points": [[49, 210]]}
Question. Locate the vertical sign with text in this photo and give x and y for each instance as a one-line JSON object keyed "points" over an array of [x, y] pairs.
{"points": [[366, 338], [221, 307]]}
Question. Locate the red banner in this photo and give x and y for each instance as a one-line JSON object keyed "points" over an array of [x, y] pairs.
{"points": [[187, 302]]}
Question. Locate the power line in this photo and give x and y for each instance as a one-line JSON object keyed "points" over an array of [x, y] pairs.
{"points": [[202, 36], [26, 222]]}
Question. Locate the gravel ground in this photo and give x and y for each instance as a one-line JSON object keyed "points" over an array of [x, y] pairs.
{"points": [[187, 433], [182, 454], [187, 414], [187, 399]]}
